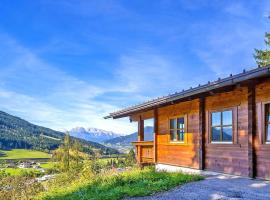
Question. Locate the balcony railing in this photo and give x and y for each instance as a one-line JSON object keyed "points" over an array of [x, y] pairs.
{"points": [[144, 151]]}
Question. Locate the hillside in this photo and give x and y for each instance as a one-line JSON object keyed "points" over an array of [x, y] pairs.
{"points": [[17, 133], [123, 143], [93, 134]]}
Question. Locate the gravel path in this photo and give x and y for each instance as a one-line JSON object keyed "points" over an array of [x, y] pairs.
{"points": [[219, 187]]}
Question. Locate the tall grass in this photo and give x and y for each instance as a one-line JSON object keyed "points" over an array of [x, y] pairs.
{"points": [[114, 186]]}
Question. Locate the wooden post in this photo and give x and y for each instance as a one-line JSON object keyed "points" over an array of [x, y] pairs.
{"points": [[201, 133], [155, 133], [140, 138], [251, 130], [140, 129]]}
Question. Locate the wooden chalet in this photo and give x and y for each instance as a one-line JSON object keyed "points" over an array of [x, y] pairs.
{"points": [[222, 126]]}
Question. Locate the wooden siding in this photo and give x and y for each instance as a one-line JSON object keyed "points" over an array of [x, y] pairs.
{"points": [[185, 154], [248, 155], [229, 158], [262, 150]]}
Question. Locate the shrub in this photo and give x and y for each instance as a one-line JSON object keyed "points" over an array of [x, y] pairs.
{"points": [[19, 188]]}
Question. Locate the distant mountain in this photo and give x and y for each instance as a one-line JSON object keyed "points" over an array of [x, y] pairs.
{"points": [[125, 141], [93, 134], [18, 133]]}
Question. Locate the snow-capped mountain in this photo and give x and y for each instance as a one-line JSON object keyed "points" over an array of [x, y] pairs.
{"points": [[93, 134]]}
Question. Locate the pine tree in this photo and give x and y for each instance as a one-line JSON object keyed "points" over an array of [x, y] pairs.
{"points": [[131, 157], [262, 57]]}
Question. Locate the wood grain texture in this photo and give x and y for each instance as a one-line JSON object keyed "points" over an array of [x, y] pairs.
{"points": [[262, 150], [180, 154], [229, 158], [201, 137], [251, 130], [248, 155], [155, 133]]}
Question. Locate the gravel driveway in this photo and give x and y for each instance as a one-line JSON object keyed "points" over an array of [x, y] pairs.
{"points": [[218, 187]]}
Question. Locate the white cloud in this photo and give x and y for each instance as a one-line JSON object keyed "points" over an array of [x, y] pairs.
{"points": [[42, 93], [45, 95], [148, 72], [229, 48], [48, 96]]}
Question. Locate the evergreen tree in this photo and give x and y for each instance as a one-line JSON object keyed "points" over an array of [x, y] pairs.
{"points": [[262, 57], [131, 158]]}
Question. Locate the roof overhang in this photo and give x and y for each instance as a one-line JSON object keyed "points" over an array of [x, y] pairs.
{"points": [[178, 96]]}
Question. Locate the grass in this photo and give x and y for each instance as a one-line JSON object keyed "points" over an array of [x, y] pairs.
{"points": [[20, 172], [48, 165], [118, 186], [22, 154]]}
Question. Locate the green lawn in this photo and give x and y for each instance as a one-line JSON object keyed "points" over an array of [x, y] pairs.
{"points": [[116, 186], [48, 165], [21, 172], [22, 154]]}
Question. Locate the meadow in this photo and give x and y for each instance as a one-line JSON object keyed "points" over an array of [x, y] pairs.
{"points": [[21, 172], [75, 176], [114, 186], [22, 154], [92, 179]]}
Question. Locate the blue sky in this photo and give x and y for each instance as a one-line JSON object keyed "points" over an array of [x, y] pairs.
{"points": [[68, 63]]}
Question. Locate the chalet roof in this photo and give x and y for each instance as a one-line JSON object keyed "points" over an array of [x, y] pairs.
{"points": [[210, 86]]}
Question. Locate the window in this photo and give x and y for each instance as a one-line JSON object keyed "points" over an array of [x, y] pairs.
{"points": [[267, 122], [177, 129], [221, 126], [149, 129]]}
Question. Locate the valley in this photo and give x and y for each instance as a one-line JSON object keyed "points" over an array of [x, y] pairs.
{"points": [[16, 133]]}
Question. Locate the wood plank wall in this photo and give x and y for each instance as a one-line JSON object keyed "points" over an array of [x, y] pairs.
{"points": [[199, 153], [262, 150], [229, 158], [178, 154]]}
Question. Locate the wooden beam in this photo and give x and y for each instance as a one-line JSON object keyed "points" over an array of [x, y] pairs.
{"points": [[155, 133], [201, 155], [251, 130], [140, 129], [140, 138]]}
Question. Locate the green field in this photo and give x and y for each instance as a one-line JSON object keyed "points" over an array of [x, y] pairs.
{"points": [[22, 154], [20, 172], [48, 165]]}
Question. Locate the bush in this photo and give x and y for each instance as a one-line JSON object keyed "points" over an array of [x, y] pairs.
{"points": [[3, 174], [19, 188]]}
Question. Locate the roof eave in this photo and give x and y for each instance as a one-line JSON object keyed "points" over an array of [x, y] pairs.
{"points": [[232, 80]]}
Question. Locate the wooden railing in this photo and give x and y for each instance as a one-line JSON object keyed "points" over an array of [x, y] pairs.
{"points": [[144, 151]]}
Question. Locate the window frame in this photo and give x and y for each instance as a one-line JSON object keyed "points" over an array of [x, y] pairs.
{"points": [[264, 133], [233, 125], [185, 129]]}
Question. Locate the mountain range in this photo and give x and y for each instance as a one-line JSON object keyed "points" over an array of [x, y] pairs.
{"points": [[18, 133], [123, 143], [93, 134]]}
